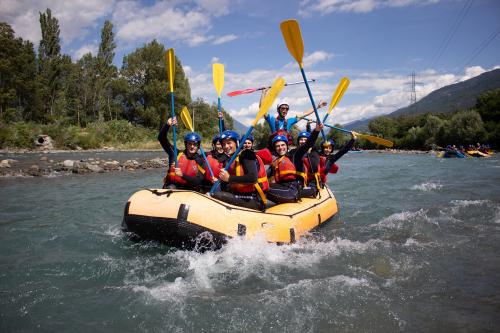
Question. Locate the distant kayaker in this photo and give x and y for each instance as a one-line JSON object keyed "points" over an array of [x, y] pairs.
{"points": [[189, 172], [245, 182]]}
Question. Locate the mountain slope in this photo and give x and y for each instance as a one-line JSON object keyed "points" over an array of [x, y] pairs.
{"points": [[458, 96]]}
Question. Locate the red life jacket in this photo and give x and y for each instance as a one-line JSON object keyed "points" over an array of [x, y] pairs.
{"points": [[188, 167], [262, 184], [333, 169], [215, 165], [284, 170], [310, 174]]}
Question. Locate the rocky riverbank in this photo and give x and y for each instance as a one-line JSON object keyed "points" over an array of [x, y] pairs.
{"points": [[46, 166]]}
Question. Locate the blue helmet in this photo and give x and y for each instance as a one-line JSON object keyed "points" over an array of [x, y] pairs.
{"points": [[303, 134], [215, 139], [230, 135], [192, 137], [250, 137], [280, 138]]}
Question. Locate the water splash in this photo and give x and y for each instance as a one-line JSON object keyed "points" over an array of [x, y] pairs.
{"points": [[427, 187]]}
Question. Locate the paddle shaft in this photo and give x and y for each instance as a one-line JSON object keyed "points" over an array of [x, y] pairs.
{"points": [[231, 160], [251, 90], [206, 161], [312, 100], [174, 127], [220, 119]]}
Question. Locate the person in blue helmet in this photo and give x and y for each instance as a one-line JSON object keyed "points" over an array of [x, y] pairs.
{"points": [[245, 182], [311, 162], [288, 169], [248, 144], [189, 172]]}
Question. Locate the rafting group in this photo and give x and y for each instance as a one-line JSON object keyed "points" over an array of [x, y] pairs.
{"points": [[235, 190], [478, 150], [283, 172]]}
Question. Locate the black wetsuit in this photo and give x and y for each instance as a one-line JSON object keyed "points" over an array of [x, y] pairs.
{"points": [[194, 182], [290, 191], [249, 163]]}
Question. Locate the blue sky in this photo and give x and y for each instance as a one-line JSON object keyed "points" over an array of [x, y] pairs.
{"points": [[377, 44]]}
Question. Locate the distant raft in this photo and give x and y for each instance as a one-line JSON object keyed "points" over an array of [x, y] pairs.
{"points": [[450, 154], [477, 153], [189, 219]]}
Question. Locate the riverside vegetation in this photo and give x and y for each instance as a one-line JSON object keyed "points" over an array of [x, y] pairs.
{"points": [[91, 103]]}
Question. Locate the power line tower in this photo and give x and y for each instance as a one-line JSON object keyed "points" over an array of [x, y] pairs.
{"points": [[413, 91]]}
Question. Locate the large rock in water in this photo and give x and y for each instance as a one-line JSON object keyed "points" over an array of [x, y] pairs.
{"points": [[44, 142]]}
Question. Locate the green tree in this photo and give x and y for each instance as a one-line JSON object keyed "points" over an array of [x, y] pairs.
{"points": [[105, 71], [17, 76], [466, 127], [384, 126], [488, 106], [147, 99], [49, 63]]}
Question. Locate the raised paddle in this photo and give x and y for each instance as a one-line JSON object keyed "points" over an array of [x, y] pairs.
{"points": [[186, 119], [268, 100], [251, 90], [293, 39], [371, 138], [218, 77], [339, 92], [171, 76]]}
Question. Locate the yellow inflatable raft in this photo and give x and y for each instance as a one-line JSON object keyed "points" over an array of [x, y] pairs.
{"points": [[191, 219]]}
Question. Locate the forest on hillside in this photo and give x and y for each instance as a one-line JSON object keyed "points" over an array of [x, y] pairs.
{"points": [[90, 102]]}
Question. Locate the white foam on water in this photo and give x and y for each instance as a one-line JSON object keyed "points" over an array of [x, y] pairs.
{"points": [[398, 220], [240, 259], [114, 231], [467, 203], [427, 187]]}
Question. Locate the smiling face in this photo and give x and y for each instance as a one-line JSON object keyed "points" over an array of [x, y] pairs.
{"points": [[229, 146], [218, 147], [302, 140], [280, 148], [247, 144], [327, 149], [191, 147], [283, 110]]}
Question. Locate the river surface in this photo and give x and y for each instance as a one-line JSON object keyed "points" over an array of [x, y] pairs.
{"points": [[414, 248]]}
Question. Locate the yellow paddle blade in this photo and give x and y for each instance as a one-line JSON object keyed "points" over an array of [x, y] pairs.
{"points": [[171, 68], [186, 119], [218, 77], [376, 139], [269, 99], [293, 39], [341, 88]]}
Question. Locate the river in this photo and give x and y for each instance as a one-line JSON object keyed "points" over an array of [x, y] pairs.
{"points": [[415, 248]]}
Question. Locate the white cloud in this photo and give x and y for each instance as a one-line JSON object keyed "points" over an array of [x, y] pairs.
{"points": [[323, 7], [75, 17], [92, 48], [215, 7], [224, 39], [368, 95]]}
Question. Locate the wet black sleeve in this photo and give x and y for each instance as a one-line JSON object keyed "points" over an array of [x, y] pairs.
{"points": [[302, 150], [167, 147], [335, 157], [249, 162]]}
